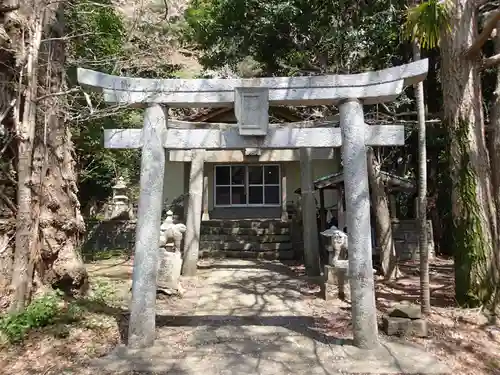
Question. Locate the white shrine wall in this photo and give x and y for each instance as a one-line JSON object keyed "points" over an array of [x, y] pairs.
{"points": [[175, 182], [173, 185]]}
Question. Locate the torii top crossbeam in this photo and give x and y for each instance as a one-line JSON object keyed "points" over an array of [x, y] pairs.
{"points": [[370, 87]]}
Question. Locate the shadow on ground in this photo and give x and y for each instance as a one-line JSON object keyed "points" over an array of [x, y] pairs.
{"points": [[250, 317], [237, 317], [407, 288]]}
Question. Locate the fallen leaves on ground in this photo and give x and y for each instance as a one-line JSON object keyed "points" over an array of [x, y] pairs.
{"points": [[66, 349], [462, 338]]}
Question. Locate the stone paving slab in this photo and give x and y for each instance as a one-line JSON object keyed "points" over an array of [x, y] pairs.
{"points": [[284, 356], [252, 320]]}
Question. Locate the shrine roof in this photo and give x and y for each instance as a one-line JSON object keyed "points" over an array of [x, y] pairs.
{"points": [[215, 114], [335, 180]]}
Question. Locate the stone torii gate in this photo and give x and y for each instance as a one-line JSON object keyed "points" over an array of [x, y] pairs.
{"points": [[251, 99]]}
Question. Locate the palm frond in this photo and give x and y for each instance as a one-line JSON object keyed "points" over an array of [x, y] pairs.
{"points": [[426, 21]]}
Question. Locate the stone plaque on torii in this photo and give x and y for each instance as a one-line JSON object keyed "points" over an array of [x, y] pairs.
{"points": [[251, 99]]}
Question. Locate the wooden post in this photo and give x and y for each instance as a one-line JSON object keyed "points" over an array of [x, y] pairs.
{"points": [[322, 210], [341, 220], [415, 209], [284, 212], [187, 168], [393, 207], [206, 215], [309, 223]]}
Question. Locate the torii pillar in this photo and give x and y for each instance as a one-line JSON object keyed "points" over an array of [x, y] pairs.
{"points": [[142, 327], [362, 284]]}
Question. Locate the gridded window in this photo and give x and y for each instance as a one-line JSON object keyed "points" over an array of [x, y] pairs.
{"points": [[247, 185]]}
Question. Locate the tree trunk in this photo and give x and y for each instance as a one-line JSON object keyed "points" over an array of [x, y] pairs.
{"points": [[473, 210], [48, 220], [21, 279], [60, 221], [8, 152], [425, 298], [495, 159], [383, 225]]}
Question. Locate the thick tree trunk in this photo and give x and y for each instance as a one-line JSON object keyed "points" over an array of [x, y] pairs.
{"points": [[24, 244], [425, 298], [48, 220], [495, 160], [383, 225], [60, 222], [473, 210]]}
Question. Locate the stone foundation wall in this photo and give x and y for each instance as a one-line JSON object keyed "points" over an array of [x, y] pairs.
{"points": [[109, 235], [120, 235], [405, 234]]}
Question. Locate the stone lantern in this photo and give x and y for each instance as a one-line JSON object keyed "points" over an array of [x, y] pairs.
{"points": [[120, 190], [120, 202]]}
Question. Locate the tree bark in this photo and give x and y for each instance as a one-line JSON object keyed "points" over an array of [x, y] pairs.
{"points": [[8, 151], [59, 223], [425, 298], [473, 209], [21, 279], [495, 158], [48, 220], [383, 225]]}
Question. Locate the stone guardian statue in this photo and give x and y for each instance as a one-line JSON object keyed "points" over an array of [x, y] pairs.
{"points": [[338, 244], [170, 258]]}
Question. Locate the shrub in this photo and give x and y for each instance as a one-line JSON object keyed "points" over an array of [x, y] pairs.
{"points": [[103, 291], [41, 312]]}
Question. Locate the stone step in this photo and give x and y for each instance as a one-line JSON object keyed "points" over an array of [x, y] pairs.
{"points": [[266, 255], [208, 230], [244, 246], [271, 238], [254, 224]]}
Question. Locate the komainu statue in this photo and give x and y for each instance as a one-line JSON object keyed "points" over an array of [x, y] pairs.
{"points": [[338, 245], [170, 258], [170, 231]]}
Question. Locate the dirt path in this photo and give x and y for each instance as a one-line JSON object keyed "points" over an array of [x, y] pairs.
{"points": [[243, 317]]}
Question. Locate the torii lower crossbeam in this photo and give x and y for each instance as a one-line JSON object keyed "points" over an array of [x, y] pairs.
{"points": [[230, 139]]}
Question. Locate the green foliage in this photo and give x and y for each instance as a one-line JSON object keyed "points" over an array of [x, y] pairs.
{"points": [[41, 312], [99, 33], [52, 312], [292, 36], [95, 256], [471, 254], [98, 44], [103, 291], [99, 166], [426, 21]]}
